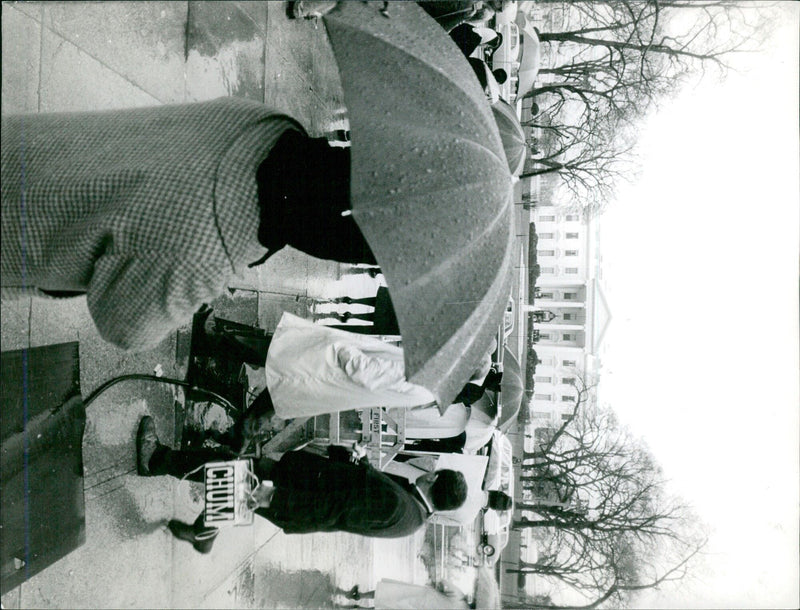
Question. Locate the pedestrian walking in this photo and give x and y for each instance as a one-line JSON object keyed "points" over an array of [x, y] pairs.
{"points": [[311, 493], [392, 594]]}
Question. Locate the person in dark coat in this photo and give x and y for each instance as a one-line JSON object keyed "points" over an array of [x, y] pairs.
{"points": [[150, 212], [312, 493]]}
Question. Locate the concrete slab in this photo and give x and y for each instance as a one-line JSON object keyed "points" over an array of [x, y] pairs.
{"points": [[73, 80], [301, 77], [271, 308], [98, 574], [225, 51], [345, 558], [21, 47], [289, 271], [15, 327], [236, 591], [31, 9], [238, 306], [199, 578], [293, 589], [59, 320], [141, 42], [256, 12]]}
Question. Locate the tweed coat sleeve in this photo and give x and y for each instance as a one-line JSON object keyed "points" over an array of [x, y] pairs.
{"points": [[132, 299], [149, 211]]}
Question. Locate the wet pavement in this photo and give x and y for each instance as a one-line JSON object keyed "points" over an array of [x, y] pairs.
{"points": [[94, 56]]}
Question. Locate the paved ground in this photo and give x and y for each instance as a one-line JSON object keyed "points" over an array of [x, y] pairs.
{"points": [[63, 56]]}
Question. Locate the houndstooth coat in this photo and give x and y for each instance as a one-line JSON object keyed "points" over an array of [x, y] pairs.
{"points": [[148, 211]]}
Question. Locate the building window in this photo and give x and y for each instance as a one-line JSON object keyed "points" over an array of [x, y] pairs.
{"points": [[541, 415], [572, 217], [547, 218], [566, 416], [548, 269], [543, 379], [547, 235], [567, 399], [569, 296], [545, 336], [568, 336], [571, 253], [568, 316], [568, 380], [545, 253], [567, 363], [546, 295], [543, 396], [571, 270], [572, 236]]}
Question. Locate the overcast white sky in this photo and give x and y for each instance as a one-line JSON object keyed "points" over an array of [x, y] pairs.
{"points": [[700, 264]]}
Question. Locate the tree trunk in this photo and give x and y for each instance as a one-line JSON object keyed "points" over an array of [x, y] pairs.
{"points": [[619, 45]]}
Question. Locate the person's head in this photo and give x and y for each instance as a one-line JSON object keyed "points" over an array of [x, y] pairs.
{"points": [[499, 501], [446, 488], [500, 75]]}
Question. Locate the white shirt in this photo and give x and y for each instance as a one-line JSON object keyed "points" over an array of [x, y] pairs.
{"points": [[313, 369]]}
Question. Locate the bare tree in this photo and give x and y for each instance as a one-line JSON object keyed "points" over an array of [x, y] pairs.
{"points": [[608, 526], [613, 63]]}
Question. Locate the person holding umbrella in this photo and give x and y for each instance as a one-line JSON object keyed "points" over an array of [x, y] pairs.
{"points": [[150, 212]]}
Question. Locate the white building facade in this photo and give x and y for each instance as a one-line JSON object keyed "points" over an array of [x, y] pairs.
{"points": [[571, 310]]}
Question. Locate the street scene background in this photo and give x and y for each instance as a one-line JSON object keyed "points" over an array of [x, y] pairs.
{"points": [[638, 292]]}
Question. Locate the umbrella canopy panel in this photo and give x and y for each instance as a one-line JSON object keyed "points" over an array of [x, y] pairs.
{"points": [[430, 186], [512, 389], [512, 135]]}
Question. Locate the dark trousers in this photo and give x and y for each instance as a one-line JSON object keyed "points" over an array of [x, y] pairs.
{"points": [[189, 464]]}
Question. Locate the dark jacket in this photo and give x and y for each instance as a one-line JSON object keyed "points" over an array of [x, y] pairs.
{"points": [[316, 494]]}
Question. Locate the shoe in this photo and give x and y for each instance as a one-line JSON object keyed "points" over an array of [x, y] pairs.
{"points": [[202, 541], [146, 445]]}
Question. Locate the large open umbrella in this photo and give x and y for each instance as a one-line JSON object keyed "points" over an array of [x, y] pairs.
{"points": [[512, 134], [531, 55], [430, 186]]}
